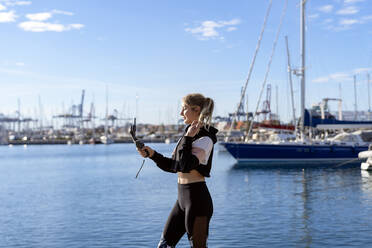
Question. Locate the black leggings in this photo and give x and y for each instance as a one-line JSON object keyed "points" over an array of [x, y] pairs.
{"points": [[191, 213]]}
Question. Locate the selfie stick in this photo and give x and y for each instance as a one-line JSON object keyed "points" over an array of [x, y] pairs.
{"points": [[139, 144]]}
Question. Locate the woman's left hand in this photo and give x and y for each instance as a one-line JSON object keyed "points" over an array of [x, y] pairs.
{"points": [[194, 128]]}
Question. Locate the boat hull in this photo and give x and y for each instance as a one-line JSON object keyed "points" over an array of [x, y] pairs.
{"points": [[292, 154]]}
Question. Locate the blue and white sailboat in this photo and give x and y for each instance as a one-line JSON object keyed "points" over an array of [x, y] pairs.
{"points": [[304, 151], [295, 153]]}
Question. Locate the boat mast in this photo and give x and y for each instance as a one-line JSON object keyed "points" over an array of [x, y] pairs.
{"points": [[277, 101], [106, 119], [250, 70], [369, 99], [302, 69], [268, 68], [355, 99], [92, 116], [291, 85]]}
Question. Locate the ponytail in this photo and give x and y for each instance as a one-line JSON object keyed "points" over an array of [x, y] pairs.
{"points": [[207, 111]]}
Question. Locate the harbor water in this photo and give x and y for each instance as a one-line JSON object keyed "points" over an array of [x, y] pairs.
{"points": [[87, 196]]}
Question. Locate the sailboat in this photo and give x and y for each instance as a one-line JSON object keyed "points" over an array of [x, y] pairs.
{"points": [[303, 151]]}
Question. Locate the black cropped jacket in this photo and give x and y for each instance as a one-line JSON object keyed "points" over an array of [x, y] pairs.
{"points": [[182, 159]]}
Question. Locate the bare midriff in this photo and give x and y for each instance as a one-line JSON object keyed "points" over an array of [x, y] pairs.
{"points": [[192, 177]]}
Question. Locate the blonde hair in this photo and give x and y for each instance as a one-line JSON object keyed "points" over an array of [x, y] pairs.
{"points": [[206, 105]]}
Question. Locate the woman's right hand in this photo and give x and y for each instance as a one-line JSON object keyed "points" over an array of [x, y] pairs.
{"points": [[143, 152], [194, 128]]}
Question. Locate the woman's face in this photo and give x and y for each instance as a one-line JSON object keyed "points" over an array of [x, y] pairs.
{"points": [[189, 113]]}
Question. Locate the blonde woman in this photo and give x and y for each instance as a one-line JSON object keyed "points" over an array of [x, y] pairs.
{"points": [[192, 161]]}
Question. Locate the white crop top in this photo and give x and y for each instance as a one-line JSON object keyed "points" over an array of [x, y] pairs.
{"points": [[202, 148]]}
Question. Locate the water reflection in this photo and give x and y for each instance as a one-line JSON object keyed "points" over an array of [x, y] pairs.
{"points": [[85, 196], [317, 204], [275, 201], [366, 177], [306, 235]]}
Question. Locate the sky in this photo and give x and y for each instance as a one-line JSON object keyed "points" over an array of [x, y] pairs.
{"points": [[149, 54]]}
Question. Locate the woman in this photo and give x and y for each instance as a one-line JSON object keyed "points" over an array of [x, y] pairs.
{"points": [[192, 161]]}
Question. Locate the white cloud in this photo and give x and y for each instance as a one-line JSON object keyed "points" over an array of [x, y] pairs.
{"points": [[7, 16], [39, 16], [2, 7], [47, 15], [208, 29], [55, 11], [326, 8], [232, 22], [313, 16], [19, 64], [34, 26], [76, 26], [320, 80], [350, 10], [341, 76], [334, 77], [37, 22], [20, 3], [23, 2], [362, 70], [348, 22], [352, 1]]}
